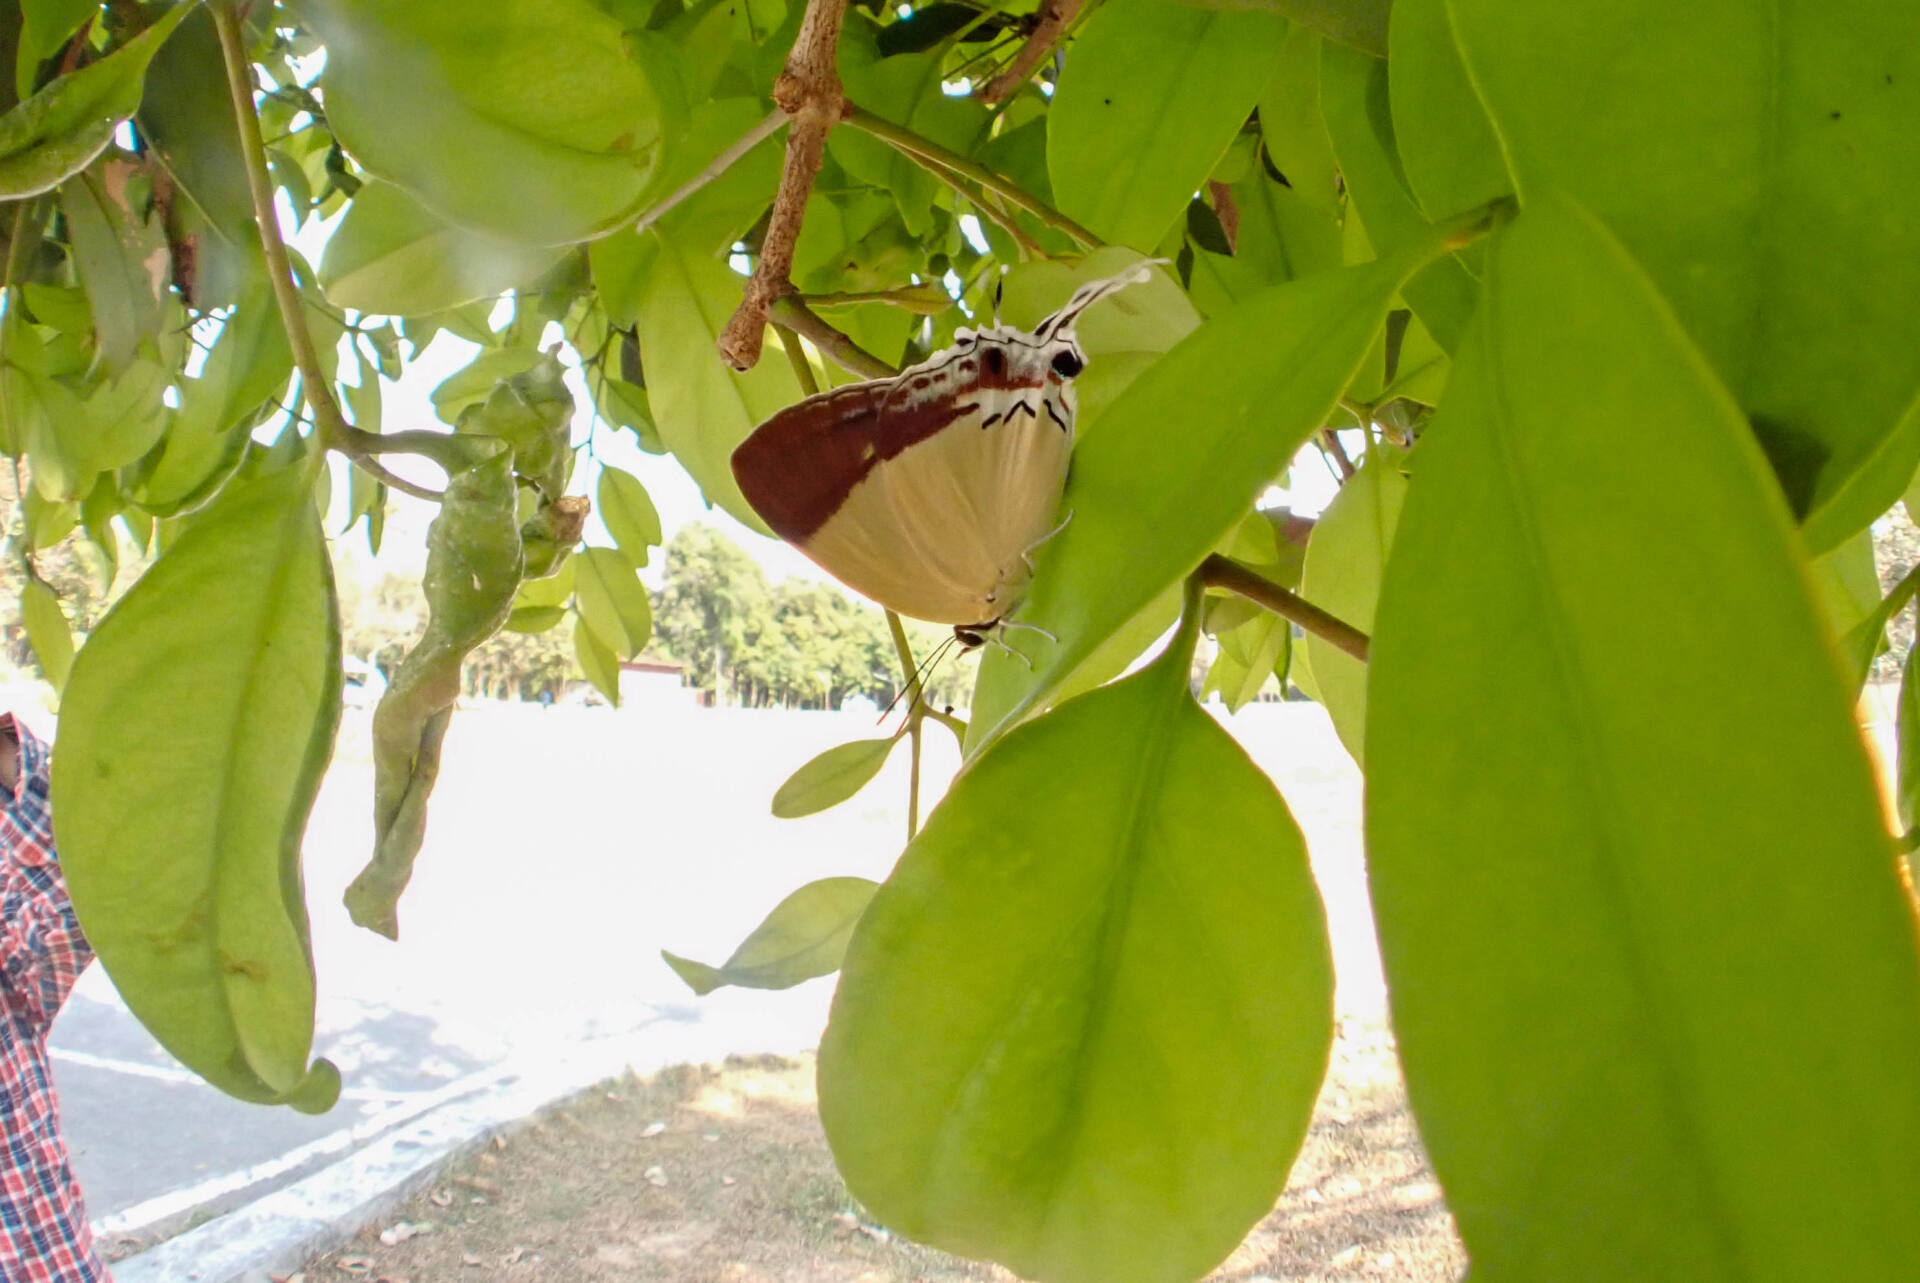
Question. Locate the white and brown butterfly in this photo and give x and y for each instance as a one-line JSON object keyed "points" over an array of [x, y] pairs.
{"points": [[928, 491]]}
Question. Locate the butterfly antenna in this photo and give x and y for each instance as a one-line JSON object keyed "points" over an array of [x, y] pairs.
{"points": [[920, 676]]}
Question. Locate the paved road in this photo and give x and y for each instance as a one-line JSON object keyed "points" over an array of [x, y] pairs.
{"points": [[566, 848]]}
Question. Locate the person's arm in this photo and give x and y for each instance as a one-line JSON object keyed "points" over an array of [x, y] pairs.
{"points": [[42, 950]]}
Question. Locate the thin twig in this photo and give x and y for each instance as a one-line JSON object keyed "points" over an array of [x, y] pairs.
{"points": [[850, 356], [1054, 16], [1223, 572], [1330, 442], [927, 300], [335, 432], [924, 150], [808, 91], [797, 358], [721, 164]]}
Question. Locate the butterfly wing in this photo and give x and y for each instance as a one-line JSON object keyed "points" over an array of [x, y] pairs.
{"points": [[921, 492]]}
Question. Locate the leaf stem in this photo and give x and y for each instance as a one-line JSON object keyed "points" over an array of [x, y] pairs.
{"points": [[916, 708], [930, 154], [1224, 572], [927, 299], [721, 164], [797, 358], [791, 313], [334, 430]]}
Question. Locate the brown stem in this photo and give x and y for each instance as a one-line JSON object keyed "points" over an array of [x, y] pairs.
{"points": [[1224, 572], [808, 90], [1055, 15], [1227, 211], [1330, 442], [790, 312]]}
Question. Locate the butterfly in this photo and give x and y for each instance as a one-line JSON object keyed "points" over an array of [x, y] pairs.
{"points": [[929, 491]]}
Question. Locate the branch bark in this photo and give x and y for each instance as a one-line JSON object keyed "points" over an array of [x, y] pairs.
{"points": [[1223, 572], [809, 91], [1055, 16]]}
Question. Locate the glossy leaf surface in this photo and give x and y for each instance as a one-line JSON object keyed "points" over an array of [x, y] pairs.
{"points": [[193, 733], [1653, 977], [1115, 1089], [832, 777]]}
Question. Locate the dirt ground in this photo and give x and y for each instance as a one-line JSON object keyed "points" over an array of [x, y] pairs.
{"points": [[720, 1174]]}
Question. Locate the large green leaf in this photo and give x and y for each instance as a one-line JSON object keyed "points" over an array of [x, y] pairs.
{"points": [[1653, 978], [702, 408], [1447, 147], [1178, 460], [47, 631], [612, 600], [1751, 157], [1154, 93], [530, 119], [392, 255], [57, 132], [1353, 96], [628, 513], [1081, 1027], [1346, 556], [194, 730], [805, 936], [46, 25], [121, 258], [1360, 23]]}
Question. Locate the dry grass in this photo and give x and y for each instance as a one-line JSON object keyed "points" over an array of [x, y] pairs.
{"points": [[738, 1187]]}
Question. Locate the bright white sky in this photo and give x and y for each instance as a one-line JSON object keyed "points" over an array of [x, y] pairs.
{"points": [[407, 404]]}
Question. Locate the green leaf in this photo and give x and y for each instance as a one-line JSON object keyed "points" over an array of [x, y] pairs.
{"points": [[1755, 197], [832, 777], [1863, 641], [530, 119], [612, 600], [1248, 388], [1846, 586], [186, 118], [1346, 556], [1114, 1088], [47, 631], [57, 132], [1353, 94], [194, 730], [1291, 124], [473, 383], [628, 513], [122, 260], [597, 661], [554, 590], [45, 26], [1654, 980], [1442, 135], [390, 255], [1906, 784], [534, 619], [805, 936], [1250, 654], [1360, 23], [1154, 93], [702, 408], [124, 419]]}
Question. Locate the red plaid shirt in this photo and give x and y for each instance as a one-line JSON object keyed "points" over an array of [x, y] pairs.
{"points": [[43, 1224]]}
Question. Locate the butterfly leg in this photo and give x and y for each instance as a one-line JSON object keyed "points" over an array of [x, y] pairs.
{"points": [[1026, 554], [1032, 628], [994, 639]]}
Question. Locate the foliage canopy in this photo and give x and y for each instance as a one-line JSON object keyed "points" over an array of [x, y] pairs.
{"points": [[1601, 310]]}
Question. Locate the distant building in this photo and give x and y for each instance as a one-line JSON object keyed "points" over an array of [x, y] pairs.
{"points": [[655, 682]]}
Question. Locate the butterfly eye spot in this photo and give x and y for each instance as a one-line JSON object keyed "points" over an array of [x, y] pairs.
{"points": [[1067, 363]]}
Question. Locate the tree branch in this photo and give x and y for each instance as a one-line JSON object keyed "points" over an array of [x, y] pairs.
{"points": [[1055, 16], [1223, 572], [721, 164], [809, 92], [930, 154], [334, 430], [790, 312], [927, 300]]}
